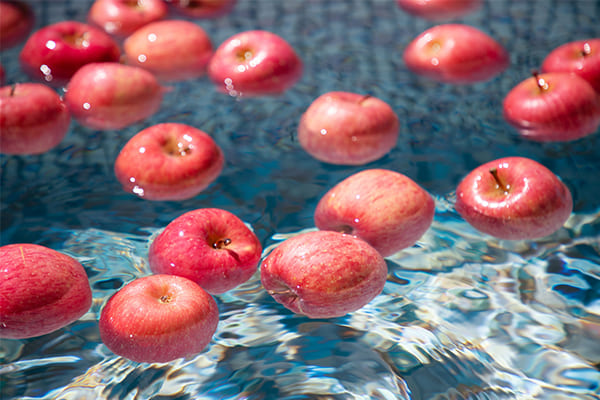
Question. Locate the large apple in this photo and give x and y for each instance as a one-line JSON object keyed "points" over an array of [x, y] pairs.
{"points": [[323, 274], [16, 22], [33, 119], [210, 246], [41, 290], [385, 208], [121, 18], [580, 57], [158, 318], [254, 63], [514, 198], [202, 8], [556, 106], [55, 52], [348, 128], [437, 10], [456, 53], [173, 50], [112, 95], [168, 161]]}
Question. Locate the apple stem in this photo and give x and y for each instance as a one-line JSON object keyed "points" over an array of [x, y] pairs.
{"points": [[364, 98], [541, 82], [13, 88], [587, 49], [219, 244], [494, 172]]}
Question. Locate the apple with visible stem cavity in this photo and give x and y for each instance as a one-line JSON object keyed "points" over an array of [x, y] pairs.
{"points": [[112, 95], [121, 18], [254, 63], [348, 128], [385, 208], [210, 246], [556, 106], [16, 22], [514, 198], [41, 290], [437, 10], [168, 161], [158, 318], [33, 119], [457, 54], [580, 57], [323, 274], [173, 50], [202, 8], [55, 52]]}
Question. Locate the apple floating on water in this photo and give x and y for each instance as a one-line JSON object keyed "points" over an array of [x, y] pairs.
{"points": [[385, 208], [210, 246], [158, 318], [555, 106], [514, 198], [33, 119], [42, 290], [55, 52], [202, 8], [16, 22], [254, 63], [456, 53], [348, 128], [580, 57], [323, 274], [437, 10], [121, 18]]}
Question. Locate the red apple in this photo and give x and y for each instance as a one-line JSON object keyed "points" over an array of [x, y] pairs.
{"points": [[121, 18], [385, 208], [348, 128], [112, 95], [158, 318], [556, 106], [202, 8], [41, 290], [456, 53], [210, 246], [33, 119], [55, 52], [581, 57], [514, 198], [173, 50], [168, 161], [254, 63], [323, 274], [437, 10], [16, 22]]}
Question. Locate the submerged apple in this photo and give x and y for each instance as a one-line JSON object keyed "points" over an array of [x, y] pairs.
{"points": [[16, 22], [580, 57], [437, 10], [121, 18]]}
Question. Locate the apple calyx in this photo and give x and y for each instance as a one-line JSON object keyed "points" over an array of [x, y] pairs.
{"points": [[499, 183], [77, 39], [165, 299], [244, 55], [174, 147]]}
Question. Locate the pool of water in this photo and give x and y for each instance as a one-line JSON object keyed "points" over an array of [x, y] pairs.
{"points": [[462, 315]]}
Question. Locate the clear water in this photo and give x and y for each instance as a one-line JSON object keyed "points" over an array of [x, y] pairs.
{"points": [[462, 316]]}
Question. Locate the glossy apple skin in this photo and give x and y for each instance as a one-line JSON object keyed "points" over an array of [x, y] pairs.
{"points": [[173, 50], [323, 274], [580, 57], [112, 95], [534, 202], [120, 18], [33, 119], [348, 128], [254, 63], [16, 22], [168, 161], [456, 54], [385, 208], [210, 246], [158, 318], [565, 107], [198, 9], [438, 10], [55, 52], [42, 290]]}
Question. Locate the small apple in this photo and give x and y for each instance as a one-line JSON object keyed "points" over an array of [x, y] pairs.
{"points": [[158, 318], [55, 52], [323, 274], [168, 161], [514, 198], [385, 208], [112, 95], [41, 290], [580, 57], [121, 18], [33, 119], [456, 53], [437, 10], [16, 22], [202, 8], [348, 128], [254, 63], [173, 50], [556, 106], [210, 246]]}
